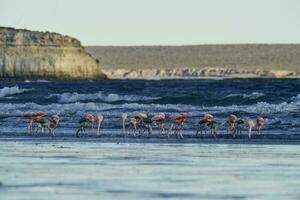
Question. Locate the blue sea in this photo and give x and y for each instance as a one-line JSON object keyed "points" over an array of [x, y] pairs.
{"points": [[115, 165]]}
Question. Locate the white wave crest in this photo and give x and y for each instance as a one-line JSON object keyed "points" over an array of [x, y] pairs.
{"points": [[259, 108], [6, 91], [252, 95], [296, 98], [75, 97], [79, 108]]}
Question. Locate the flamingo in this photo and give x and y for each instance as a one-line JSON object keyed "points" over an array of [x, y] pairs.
{"points": [[146, 124], [260, 124], [201, 126], [230, 123], [159, 120], [32, 117], [89, 118], [178, 121], [132, 125], [55, 121], [250, 125], [134, 121], [213, 128], [100, 119], [43, 123], [238, 126], [204, 123], [123, 119], [28, 115]]}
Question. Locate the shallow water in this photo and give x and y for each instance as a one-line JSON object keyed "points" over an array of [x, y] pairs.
{"points": [[93, 170]]}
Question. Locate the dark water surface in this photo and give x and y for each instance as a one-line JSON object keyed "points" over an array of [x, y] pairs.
{"points": [[276, 100]]}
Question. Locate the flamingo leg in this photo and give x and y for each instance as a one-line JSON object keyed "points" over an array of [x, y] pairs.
{"points": [[29, 127], [249, 133], [170, 130], [181, 131], [162, 128], [98, 128], [123, 124]]}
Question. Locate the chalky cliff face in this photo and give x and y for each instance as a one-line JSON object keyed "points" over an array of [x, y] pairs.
{"points": [[42, 55]]}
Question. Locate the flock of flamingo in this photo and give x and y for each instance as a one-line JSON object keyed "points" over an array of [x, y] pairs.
{"points": [[140, 123]]}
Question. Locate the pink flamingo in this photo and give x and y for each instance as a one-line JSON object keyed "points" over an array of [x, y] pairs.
{"points": [[89, 118], [204, 122], [260, 124], [160, 120], [32, 117], [55, 121], [134, 121], [178, 121], [230, 123]]}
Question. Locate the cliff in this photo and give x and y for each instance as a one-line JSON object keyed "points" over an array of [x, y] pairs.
{"points": [[42, 55], [199, 61]]}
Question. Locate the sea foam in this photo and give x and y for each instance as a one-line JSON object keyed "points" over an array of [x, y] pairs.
{"points": [[76, 97], [6, 91]]}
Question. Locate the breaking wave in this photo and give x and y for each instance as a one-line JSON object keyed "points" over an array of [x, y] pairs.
{"points": [[258, 108], [72, 111], [75, 97], [6, 91], [253, 95]]}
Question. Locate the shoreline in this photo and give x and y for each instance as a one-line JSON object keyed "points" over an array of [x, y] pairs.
{"points": [[265, 139]]}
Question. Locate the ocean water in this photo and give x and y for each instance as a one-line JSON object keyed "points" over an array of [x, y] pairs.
{"points": [[126, 167], [278, 101]]}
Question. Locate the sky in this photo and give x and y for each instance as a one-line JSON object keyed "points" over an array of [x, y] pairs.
{"points": [[159, 22]]}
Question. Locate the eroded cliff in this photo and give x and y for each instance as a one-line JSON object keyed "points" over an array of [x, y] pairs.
{"points": [[42, 55]]}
